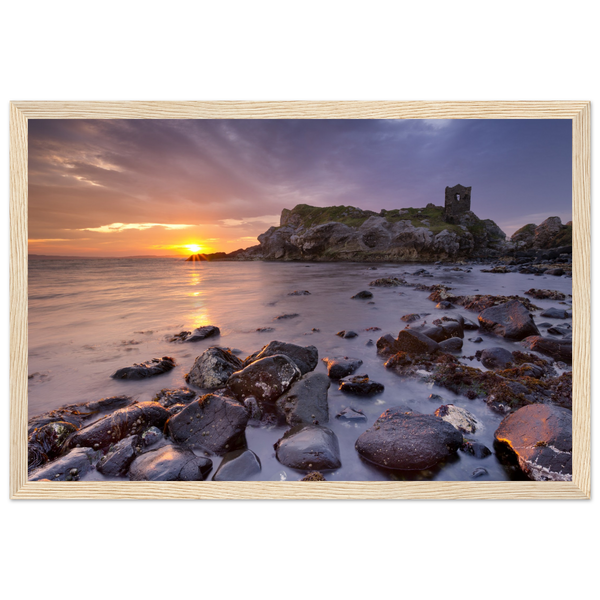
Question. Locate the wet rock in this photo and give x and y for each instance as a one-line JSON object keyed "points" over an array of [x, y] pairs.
{"points": [[545, 325], [530, 370], [476, 449], [470, 325], [352, 415], [253, 408], [306, 401], [388, 282], [410, 318], [299, 293], [444, 305], [413, 342], [170, 463], [369, 343], [341, 366], [305, 358], [265, 329], [202, 333], [545, 294], [120, 424], [150, 368], [557, 272], [118, 458], [214, 422], [46, 442], [77, 414], [558, 349], [347, 334], [168, 397], [213, 368], [287, 316], [362, 295], [453, 329], [562, 331], [70, 467], [496, 358], [458, 417], [435, 332], [554, 313], [151, 436], [360, 385], [510, 320], [408, 441], [479, 472], [387, 344], [541, 437], [238, 465], [266, 379], [476, 340], [451, 345], [309, 447]]}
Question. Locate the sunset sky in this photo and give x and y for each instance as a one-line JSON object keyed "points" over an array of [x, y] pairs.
{"points": [[154, 187]]}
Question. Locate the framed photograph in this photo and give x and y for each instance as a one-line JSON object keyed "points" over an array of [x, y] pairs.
{"points": [[300, 300]]}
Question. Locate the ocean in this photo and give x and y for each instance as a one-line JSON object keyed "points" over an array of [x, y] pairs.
{"points": [[90, 317]]}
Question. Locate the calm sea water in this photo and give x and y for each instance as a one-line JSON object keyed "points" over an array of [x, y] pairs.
{"points": [[88, 318]]}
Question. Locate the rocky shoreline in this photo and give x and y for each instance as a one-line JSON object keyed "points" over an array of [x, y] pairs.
{"points": [[174, 436]]}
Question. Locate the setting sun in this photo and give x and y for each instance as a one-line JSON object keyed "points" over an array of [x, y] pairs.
{"points": [[193, 248]]}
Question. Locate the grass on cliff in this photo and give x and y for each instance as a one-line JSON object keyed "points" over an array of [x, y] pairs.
{"points": [[433, 214], [347, 215]]}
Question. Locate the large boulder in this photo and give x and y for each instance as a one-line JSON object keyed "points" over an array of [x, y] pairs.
{"points": [[170, 463], [308, 447], [115, 463], [238, 465], [150, 368], [541, 437], [69, 467], [266, 379], [120, 424], [510, 320], [305, 358], [306, 401], [213, 368], [214, 422], [413, 342], [558, 349], [401, 439]]}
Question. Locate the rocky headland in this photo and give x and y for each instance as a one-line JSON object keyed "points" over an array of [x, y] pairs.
{"points": [[346, 233]]}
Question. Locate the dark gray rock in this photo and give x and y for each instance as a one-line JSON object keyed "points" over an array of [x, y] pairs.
{"points": [[410, 318], [213, 368], [479, 472], [541, 437], [266, 379], [360, 385], [299, 293], [202, 333], [554, 313], [558, 349], [214, 422], [152, 436], [451, 345], [306, 401], [118, 458], [181, 395], [150, 368], [476, 340], [415, 343], [510, 320], [347, 334], [120, 424], [557, 272], [286, 316], [410, 441], [444, 305], [352, 415], [362, 295], [387, 344], [341, 366], [238, 465], [46, 443], [309, 447], [496, 358], [476, 449], [305, 358], [170, 463], [69, 467]]}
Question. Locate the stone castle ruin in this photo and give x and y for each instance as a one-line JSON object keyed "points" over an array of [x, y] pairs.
{"points": [[458, 202]]}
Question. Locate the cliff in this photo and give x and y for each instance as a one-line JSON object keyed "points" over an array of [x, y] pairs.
{"points": [[345, 233], [550, 234]]}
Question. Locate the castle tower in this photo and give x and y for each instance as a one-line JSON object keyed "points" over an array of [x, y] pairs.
{"points": [[458, 202]]}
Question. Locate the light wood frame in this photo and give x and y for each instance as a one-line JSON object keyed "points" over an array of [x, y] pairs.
{"points": [[577, 112]]}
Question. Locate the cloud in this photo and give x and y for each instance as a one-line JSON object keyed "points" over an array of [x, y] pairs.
{"points": [[269, 220], [116, 227]]}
